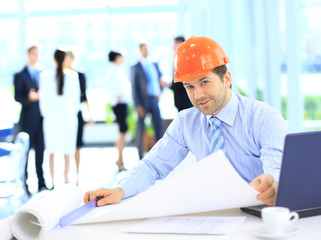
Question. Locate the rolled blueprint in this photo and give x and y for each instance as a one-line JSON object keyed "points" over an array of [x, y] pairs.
{"points": [[41, 215]]}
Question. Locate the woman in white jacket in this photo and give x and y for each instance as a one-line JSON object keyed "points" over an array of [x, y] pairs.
{"points": [[59, 105]]}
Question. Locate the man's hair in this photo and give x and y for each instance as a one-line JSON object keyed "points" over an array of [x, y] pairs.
{"points": [[113, 55], [141, 45], [32, 48], [220, 71], [179, 39]]}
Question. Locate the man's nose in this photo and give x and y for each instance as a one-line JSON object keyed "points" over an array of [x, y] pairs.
{"points": [[198, 93]]}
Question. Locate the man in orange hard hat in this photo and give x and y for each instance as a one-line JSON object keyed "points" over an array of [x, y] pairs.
{"points": [[249, 132]]}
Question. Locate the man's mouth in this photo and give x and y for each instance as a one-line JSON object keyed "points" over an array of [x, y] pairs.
{"points": [[203, 103]]}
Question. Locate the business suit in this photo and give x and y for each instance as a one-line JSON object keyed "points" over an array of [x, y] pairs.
{"points": [[30, 120], [83, 98], [148, 102], [181, 98]]}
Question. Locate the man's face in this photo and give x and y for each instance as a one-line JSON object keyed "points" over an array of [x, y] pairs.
{"points": [[209, 93], [176, 44], [144, 51], [33, 56]]}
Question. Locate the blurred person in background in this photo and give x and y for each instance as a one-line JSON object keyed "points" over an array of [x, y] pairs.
{"points": [[119, 89], [69, 59], [180, 95], [59, 105], [146, 88], [181, 99], [26, 90]]}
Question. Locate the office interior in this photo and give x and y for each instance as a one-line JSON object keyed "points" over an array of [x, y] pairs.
{"points": [[273, 45]]}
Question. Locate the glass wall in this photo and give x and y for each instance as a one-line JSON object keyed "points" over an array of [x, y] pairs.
{"points": [[93, 28], [256, 34], [9, 53], [309, 54]]}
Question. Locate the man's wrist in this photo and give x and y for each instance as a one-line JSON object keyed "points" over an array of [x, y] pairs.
{"points": [[122, 192]]}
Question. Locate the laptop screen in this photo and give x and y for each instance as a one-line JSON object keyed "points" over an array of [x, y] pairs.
{"points": [[300, 177]]}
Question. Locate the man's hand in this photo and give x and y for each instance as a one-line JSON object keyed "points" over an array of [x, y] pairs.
{"points": [[140, 111], [164, 84], [267, 186], [33, 96], [108, 196]]}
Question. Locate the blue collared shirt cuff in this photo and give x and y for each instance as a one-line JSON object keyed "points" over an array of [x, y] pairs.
{"points": [[126, 189]]}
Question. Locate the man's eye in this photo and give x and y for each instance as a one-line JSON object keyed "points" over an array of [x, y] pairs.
{"points": [[204, 82], [189, 87]]}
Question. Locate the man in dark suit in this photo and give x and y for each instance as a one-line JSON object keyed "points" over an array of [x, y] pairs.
{"points": [[26, 92], [145, 79], [181, 99]]}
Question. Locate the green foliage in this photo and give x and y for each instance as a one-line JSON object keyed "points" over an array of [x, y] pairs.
{"points": [[109, 114], [149, 129], [312, 105], [240, 91], [131, 119], [259, 95]]}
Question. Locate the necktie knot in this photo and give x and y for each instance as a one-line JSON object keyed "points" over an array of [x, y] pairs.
{"points": [[215, 122]]}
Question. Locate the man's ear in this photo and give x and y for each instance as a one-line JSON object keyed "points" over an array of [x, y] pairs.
{"points": [[227, 79]]}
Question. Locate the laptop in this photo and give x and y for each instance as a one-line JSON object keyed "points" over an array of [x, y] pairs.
{"points": [[300, 177]]}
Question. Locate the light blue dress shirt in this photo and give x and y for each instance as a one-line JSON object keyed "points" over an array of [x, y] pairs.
{"points": [[153, 87], [34, 73], [253, 132]]}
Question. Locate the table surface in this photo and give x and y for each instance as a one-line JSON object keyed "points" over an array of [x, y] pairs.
{"points": [[309, 228]]}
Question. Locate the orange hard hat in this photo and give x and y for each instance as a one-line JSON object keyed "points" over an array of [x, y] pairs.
{"points": [[197, 56]]}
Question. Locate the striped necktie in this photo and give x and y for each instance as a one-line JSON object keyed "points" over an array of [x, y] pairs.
{"points": [[217, 140]]}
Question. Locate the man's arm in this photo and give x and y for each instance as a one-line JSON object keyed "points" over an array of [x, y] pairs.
{"points": [[272, 133], [135, 87], [271, 137], [20, 93], [168, 152]]}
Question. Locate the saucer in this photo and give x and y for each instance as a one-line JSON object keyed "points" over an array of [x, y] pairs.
{"points": [[289, 231]]}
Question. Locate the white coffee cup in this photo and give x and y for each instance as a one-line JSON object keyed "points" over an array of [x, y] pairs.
{"points": [[276, 219]]}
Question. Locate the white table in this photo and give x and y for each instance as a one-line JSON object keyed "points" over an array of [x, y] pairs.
{"points": [[309, 229]]}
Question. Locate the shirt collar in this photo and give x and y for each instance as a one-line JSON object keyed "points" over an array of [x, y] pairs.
{"points": [[228, 112], [31, 70], [143, 61]]}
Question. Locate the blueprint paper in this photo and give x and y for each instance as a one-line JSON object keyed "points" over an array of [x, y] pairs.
{"points": [[210, 184]]}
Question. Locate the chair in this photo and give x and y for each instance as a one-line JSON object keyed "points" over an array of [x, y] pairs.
{"points": [[12, 179], [6, 132]]}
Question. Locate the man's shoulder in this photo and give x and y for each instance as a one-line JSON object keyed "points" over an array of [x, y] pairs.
{"points": [[22, 76], [136, 65], [257, 107], [21, 72]]}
